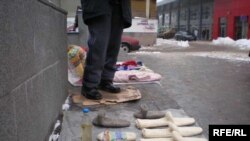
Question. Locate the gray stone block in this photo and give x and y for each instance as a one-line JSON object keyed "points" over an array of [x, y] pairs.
{"points": [[56, 2], [25, 124], [33, 71], [44, 48], [21, 40], [5, 76], [7, 119], [36, 100]]}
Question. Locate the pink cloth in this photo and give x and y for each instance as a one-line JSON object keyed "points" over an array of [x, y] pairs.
{"points": [[136, 76]]}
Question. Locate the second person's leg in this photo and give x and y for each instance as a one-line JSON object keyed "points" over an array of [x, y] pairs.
{"points": [[112, 50]]}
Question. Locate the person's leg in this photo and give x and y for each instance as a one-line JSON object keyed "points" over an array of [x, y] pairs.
{"points": [[114, 43], [99, 30]]}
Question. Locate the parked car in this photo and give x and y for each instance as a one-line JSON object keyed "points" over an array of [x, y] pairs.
{"points": [[129, 44], [184, 36], [167, 34]]}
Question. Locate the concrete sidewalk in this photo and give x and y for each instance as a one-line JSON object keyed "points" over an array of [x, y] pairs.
{"points": [[153, 96]]}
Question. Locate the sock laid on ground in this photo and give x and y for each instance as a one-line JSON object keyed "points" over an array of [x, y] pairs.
{"points": [[116, 136], [148, 123], [168, 132], [176, 137]]}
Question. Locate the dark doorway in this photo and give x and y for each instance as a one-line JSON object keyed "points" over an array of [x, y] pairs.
{"points": [[223, 27], [241, 27]]}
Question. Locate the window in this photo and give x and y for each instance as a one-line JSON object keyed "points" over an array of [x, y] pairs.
{"points": [[184, 14], [206, 13], [193, 14]]}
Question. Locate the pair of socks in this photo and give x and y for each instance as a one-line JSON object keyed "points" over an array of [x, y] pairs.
{"points": [[151, 119]]}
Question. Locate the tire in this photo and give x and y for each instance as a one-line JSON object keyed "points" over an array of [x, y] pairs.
{"points": [[125, 47]]}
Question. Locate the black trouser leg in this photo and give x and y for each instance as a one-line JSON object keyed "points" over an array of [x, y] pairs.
{"points": [[99, 30], [114, 44]]}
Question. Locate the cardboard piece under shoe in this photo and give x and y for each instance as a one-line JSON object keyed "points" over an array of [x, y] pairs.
{"points": [[128, 94]]}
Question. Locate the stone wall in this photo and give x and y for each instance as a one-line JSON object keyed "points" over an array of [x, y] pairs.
{"points": [[70, 6], [56, 2], [33, 68]]}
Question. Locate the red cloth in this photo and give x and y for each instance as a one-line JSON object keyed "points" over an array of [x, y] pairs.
{"points": [[129, 63]]}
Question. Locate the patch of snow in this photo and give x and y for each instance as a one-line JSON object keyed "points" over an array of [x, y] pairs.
{"points": [[222, 55], [223, 41], [161, 41], [146, 53], [65, 107], [241, 43], [183, 43], [53, 136], [148, 48], [58, 123]]}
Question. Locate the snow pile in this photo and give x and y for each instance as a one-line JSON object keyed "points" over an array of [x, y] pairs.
{"points": [[161, 41], [241, 43], [183, 43], [224, 41]]}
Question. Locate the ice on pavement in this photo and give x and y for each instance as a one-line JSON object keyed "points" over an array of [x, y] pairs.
{"points": [[241, 43]]}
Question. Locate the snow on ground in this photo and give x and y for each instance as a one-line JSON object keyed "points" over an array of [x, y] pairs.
{"points": [[242, 57], [145, 53], [161, 41], [241, 43], [66, 105], [229, 56], [147, 48]]}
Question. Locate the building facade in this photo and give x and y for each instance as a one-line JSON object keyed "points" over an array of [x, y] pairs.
{"points": [[231, 18], [190, 15], [211, 18]]}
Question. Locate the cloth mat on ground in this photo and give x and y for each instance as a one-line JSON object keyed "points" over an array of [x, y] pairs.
{"points": [[127, 94], [135, 72], [135, 76]]}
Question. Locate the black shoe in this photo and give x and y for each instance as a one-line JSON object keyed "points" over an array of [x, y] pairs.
{"points": [[91, 93], [109, 87]]}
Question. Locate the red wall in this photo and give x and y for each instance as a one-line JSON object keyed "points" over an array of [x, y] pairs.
{"points": [[230, 9]]}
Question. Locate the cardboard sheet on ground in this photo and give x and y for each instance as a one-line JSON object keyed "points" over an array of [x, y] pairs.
{"points": [[127, 94]]}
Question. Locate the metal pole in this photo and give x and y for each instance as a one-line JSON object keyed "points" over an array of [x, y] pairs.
{"points": [[188, 16], [147, 8]]}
